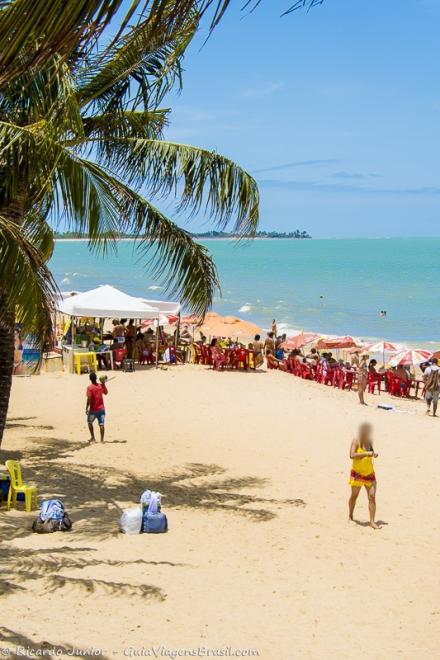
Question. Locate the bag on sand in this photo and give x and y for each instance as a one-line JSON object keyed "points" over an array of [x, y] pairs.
{"points": [[131, 521], [153, 520], [52, 518]]}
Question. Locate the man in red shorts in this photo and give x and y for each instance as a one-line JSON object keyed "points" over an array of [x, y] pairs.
{"points": [[95, 408]]}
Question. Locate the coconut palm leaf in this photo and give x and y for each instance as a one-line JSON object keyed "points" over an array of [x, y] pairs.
{"points": [[101, 128], [85, 202], [99, 205], [301, 4], [201, 179], [27, 286], [30, 32], [183, 266], [148, 55]]}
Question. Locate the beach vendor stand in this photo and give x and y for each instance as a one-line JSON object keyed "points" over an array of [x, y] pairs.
{"points": [[102, 303]]}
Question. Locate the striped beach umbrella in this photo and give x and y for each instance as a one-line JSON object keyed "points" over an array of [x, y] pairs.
{"points": [[299, 341], [385, 347], [412, 357]]}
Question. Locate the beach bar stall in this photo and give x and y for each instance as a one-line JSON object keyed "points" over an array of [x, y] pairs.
{"points": [[106, 302]]}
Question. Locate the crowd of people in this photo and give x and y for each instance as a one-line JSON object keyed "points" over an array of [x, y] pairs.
{"points": [[360, 372]]}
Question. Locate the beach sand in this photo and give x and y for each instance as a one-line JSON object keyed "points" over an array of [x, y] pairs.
{"points": [[253, 469]]}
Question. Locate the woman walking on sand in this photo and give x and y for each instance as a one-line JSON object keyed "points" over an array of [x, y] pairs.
{"points": [[362, 471]]}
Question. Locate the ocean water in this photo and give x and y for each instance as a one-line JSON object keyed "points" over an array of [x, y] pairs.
{"points": [[332, 286]]}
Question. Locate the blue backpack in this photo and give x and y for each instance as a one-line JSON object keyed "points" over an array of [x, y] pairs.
{"points": [[153, 520]]}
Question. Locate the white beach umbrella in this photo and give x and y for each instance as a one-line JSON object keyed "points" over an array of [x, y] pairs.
{"points": [[385, 347], [412, 357]]}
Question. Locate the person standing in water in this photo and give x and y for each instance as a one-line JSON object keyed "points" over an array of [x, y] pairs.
{"points": [[362, 472]]}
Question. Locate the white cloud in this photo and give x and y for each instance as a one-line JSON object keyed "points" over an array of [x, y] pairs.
{"points": [[261, 92]]}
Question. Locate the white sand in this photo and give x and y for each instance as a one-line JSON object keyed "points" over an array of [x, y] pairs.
{"points": [[253, 469]]}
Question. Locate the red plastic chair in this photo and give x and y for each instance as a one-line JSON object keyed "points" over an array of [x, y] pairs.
{"points": [[198, 355], [398, 387], [219, 359], [328, 376], [241, 359], [271, 362], [206, 355], [389, 377], [119, 355], [335, 375], [319, 372], [146, 356], [306, 372], [346, 381], [290, 363], [373, 382]]}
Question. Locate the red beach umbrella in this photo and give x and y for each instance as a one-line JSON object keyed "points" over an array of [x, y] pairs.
{"points": [[299, 341], [412, 357], [338, 342]]}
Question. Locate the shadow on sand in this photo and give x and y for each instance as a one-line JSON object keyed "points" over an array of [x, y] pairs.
{"points": [[93, 495]]}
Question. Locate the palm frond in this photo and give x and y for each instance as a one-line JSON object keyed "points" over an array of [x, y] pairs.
{"points": [[39, 233], [85, 201], [203, 180], [102, 207], [26, 284], [302, 4], [145, 124], [146, 59], [31, 32], [174, 258]]}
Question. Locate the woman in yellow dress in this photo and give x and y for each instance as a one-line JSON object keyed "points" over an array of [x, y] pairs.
{"points": [[362, 471]]}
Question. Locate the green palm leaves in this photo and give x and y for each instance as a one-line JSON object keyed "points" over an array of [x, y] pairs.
{"points": [[81, 143]]}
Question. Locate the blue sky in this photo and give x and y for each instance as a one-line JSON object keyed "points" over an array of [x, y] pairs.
{"points": [[336, 112]]}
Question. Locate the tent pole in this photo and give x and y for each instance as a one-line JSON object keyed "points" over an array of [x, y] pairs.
{"points": [[72, 321], [157, 344], [176, 338]]}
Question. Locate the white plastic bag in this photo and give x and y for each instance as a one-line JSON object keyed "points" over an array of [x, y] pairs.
{"points": [[131, 521]]}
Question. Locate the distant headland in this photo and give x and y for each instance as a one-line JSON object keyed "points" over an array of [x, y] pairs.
{"points": [[297, 234]]}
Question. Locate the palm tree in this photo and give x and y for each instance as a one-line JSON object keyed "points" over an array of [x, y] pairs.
{"points": [[81, 141]]}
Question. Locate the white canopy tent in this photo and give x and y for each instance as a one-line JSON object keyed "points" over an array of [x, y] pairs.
{"points": [[106, 302], [165, 307]]}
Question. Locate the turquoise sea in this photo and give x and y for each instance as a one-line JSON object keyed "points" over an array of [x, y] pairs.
{"points": [[333, 286]]}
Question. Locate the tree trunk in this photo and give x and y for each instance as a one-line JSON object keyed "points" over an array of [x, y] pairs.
{"points": [[15, 211], [6, 362]]}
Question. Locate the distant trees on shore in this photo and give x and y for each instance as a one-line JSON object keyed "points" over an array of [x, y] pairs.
{"points": [[208, 234], [259, 234]]}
